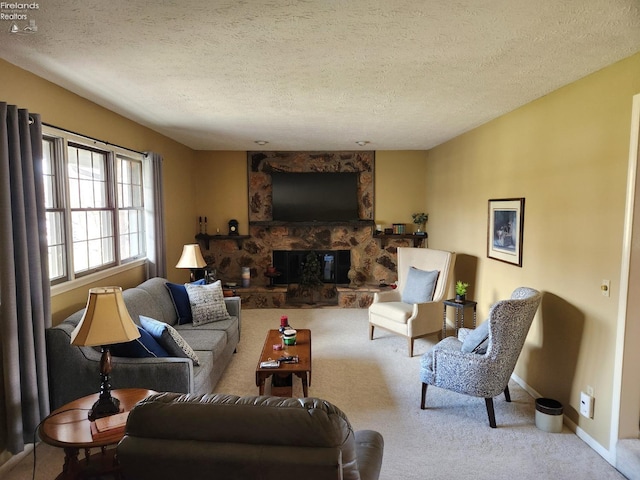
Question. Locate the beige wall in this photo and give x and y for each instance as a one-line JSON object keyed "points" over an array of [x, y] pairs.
{"points": [[567, 154], [221, 190], [400, 187]]}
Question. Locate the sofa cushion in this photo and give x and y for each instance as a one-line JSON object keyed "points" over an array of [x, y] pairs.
{"points": [[143, 347], [178, 293], [419, 285], [169, 338], [477, 340], [207, 303], [204, 340]]}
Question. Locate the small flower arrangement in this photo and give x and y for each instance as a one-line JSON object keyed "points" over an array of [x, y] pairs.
{"points": [[420, 218]]}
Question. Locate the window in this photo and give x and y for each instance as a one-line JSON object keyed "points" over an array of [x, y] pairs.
{"points": [[55, 212], [95, 205]]}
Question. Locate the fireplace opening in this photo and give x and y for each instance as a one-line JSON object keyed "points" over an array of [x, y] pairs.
{"points": [[335, 265]]}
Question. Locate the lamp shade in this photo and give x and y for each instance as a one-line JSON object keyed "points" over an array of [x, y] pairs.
{"points": [[105, 321], [191, 257]]}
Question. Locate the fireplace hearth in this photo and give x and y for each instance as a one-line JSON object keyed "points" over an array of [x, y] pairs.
{"points": [[335, 265]]}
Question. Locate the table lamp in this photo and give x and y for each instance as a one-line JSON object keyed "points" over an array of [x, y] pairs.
{"points": [[191, 258], [105, 321]]}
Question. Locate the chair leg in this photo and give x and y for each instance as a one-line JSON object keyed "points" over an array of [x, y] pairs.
{"points": [[371, 331], [490, 412], [507, 395], [411, 347], [424, 396]]}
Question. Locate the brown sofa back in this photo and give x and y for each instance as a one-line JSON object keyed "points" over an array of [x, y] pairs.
{"points": [[225, 436]]}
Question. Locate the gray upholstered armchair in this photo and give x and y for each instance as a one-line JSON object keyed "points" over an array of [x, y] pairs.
{"points": [[480, 362]]}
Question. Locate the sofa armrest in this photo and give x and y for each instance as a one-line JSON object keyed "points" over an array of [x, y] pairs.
{"points": [[172, 374], [234, 308], [369, 448], [74, 371]]}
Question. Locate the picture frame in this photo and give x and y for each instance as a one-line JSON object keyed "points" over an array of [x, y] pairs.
{"points": [[505, 230]]}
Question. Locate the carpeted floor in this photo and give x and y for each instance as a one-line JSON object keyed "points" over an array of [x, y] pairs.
{"points": [[377, 385]]}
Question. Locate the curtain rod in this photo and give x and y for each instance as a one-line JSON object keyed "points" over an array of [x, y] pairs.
{"points": [[92, 138]]}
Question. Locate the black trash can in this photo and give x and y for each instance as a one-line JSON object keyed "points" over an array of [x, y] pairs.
{"points": [[549, 415]]}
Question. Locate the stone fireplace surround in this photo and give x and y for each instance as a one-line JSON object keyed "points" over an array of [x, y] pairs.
{"points": [[367, 255]]}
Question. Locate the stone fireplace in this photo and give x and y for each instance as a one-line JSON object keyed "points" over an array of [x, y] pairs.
{"points": [[269, 243]]}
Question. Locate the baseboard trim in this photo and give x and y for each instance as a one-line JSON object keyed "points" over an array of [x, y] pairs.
{"points": [[13, 460], [608, 455]]}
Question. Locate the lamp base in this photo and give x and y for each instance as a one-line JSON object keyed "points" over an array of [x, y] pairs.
{"points": [[106, 404], [104, 407]]}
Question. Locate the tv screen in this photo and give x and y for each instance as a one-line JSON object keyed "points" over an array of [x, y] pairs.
{"points": [[314, 197]]}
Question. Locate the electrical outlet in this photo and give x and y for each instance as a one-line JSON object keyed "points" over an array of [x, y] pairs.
{"points": [[586, 405], [605, 288]]}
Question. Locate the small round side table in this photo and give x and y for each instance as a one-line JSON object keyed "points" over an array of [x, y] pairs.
{"points": [[69, 428]]}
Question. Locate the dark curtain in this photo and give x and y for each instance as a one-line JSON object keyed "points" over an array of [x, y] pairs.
{"points": [[154, 204], [25, 309]]}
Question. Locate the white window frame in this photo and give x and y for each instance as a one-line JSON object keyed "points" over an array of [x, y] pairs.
{"points": [[62, 140]]}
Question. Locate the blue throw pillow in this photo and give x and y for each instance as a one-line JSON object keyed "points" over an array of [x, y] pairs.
{"points": [[419, 286], [143, 347], [477, 340], [180, 299], [169, 339]]}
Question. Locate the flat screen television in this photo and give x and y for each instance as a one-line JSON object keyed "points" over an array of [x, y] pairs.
{"points": [[314, 196]]}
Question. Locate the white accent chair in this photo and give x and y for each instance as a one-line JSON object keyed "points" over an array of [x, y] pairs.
{"points": [[390, 313]]}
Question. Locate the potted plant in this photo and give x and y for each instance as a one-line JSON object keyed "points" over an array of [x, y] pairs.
{"points": [[420, 219], [461, 291]]}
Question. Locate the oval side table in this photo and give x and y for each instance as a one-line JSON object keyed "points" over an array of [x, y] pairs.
{"points": [[69, 428]]}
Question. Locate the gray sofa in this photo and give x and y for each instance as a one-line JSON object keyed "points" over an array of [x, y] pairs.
{"points": [[171, 436], [74, 371]]}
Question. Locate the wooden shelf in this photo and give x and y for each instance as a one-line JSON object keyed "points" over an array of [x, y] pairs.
{"points": [[417, 239], [205, 238]]}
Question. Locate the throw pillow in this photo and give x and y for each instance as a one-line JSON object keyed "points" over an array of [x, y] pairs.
{"points": [[169, 339], [419, 285], [478, 340], [143, 347], [207, 303], [180, 300]]}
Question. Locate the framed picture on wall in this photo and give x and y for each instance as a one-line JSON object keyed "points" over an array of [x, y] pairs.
{"points": [[505, 230]]}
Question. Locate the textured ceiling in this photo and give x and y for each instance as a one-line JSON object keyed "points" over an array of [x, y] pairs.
{"points": [[319, 74]]}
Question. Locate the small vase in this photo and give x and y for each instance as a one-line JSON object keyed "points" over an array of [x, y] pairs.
{"points": [[460, 298]]}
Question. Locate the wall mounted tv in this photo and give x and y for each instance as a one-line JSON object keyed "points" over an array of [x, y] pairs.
{"points": [[314, 196]]}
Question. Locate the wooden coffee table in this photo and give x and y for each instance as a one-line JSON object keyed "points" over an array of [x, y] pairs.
{"points": [[69, 428], [302, 369]]}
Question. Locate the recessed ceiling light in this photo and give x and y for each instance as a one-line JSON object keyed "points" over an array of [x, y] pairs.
{"points": [[362, 143], [261, 142]]}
